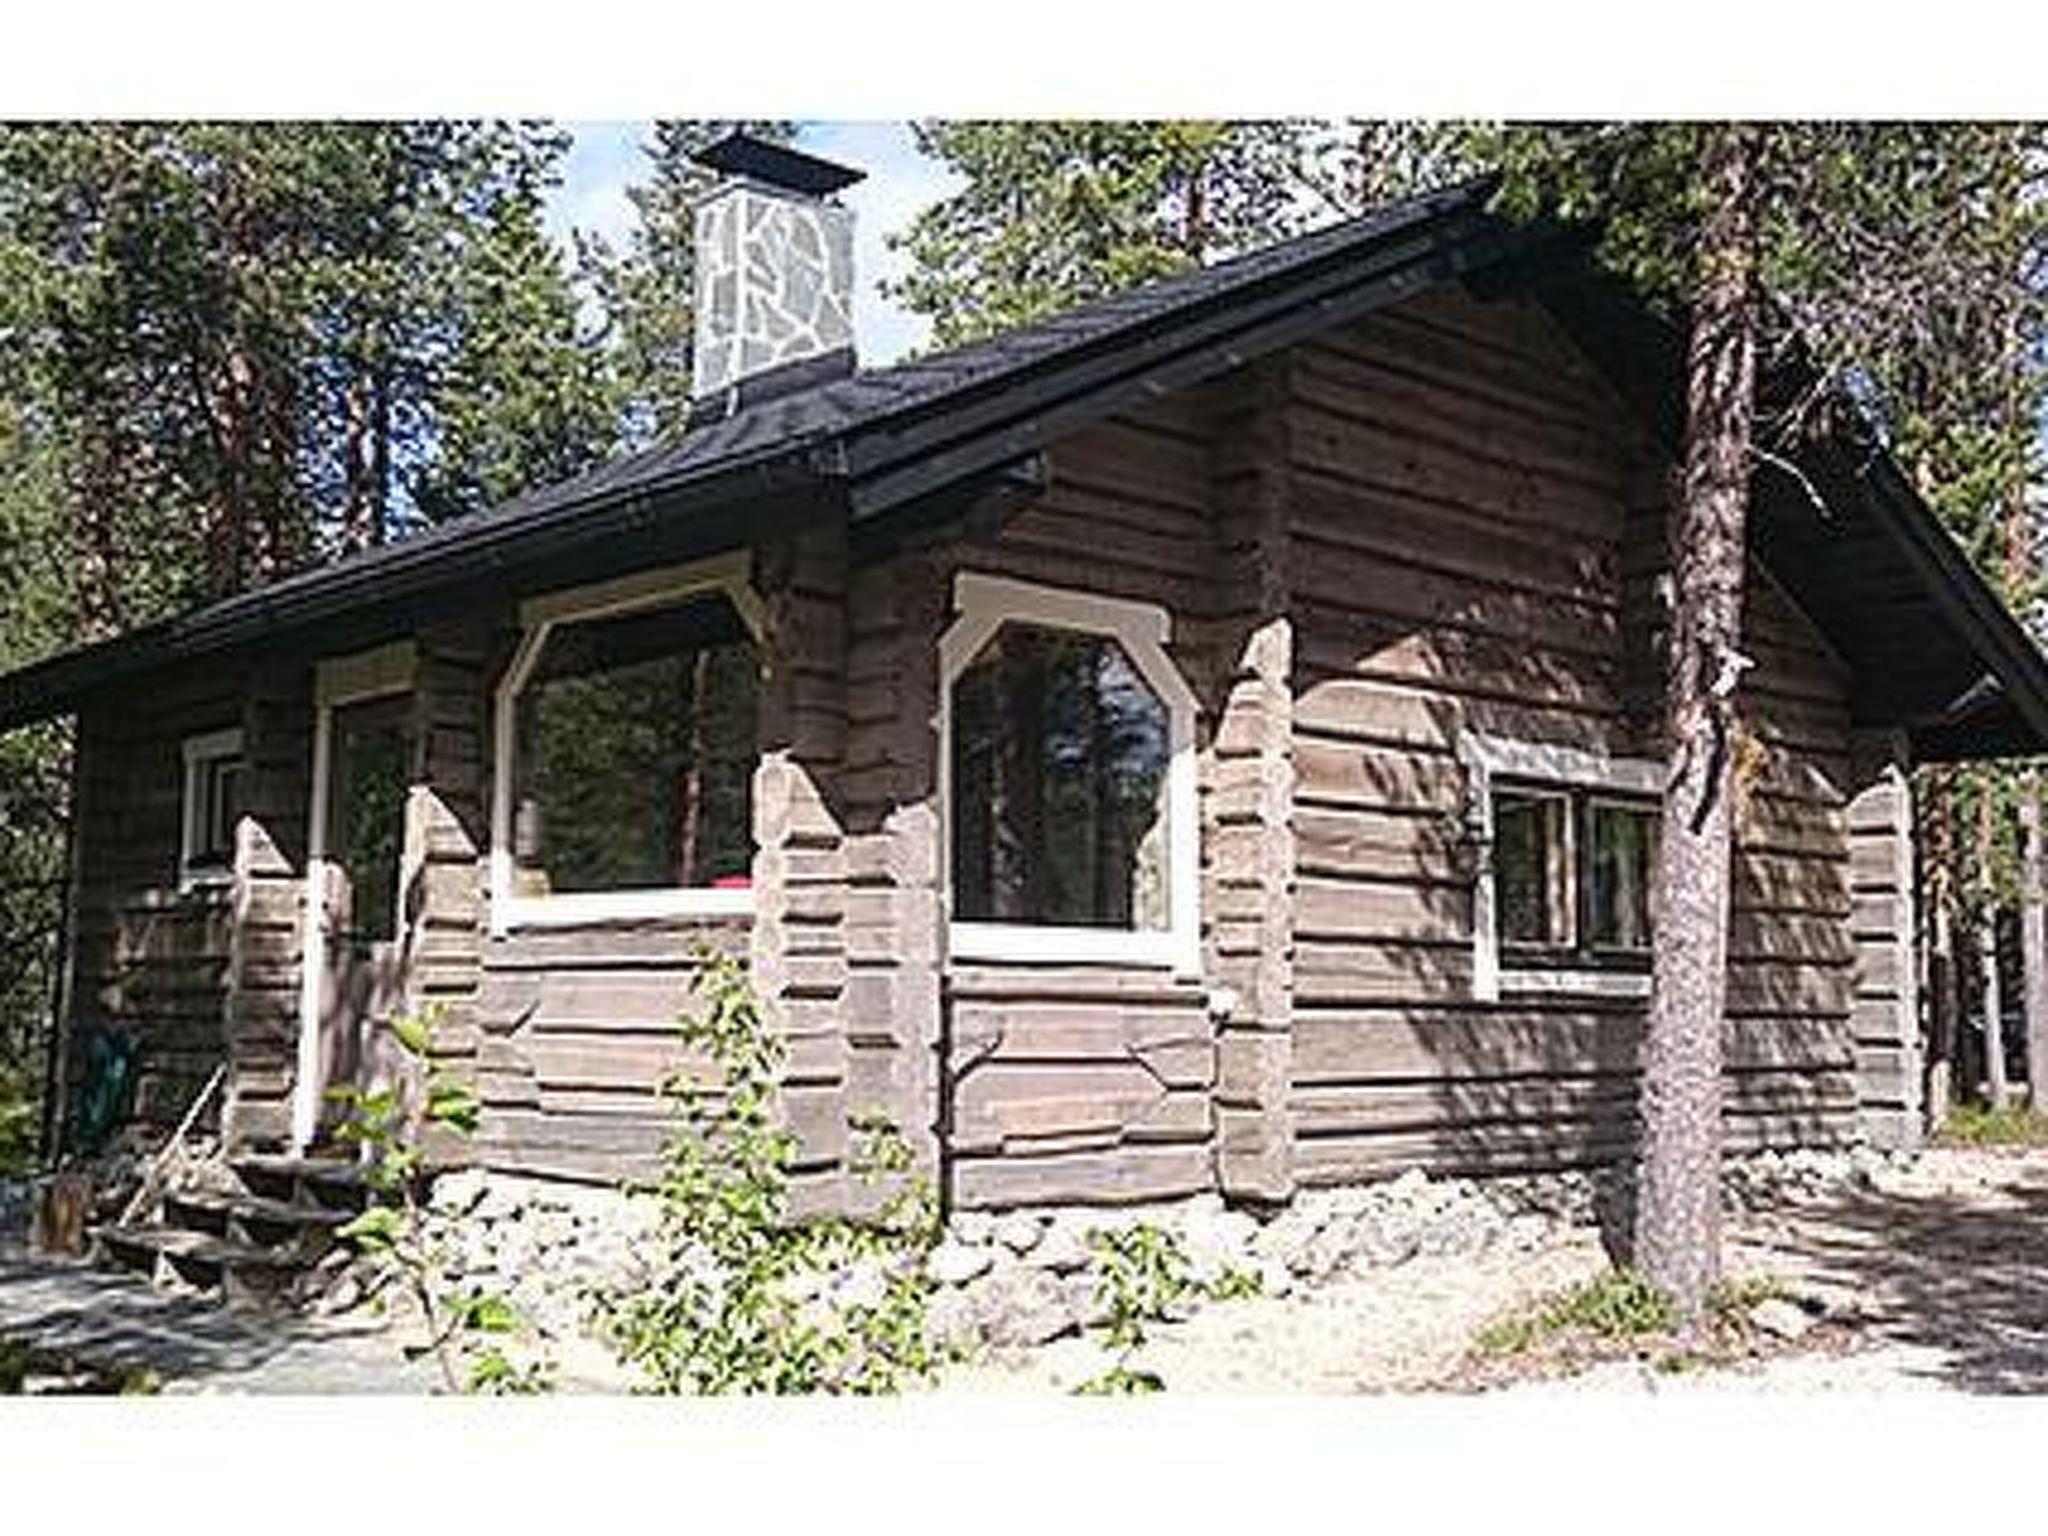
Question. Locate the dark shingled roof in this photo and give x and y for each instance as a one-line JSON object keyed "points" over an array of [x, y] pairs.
{"points": [[867, 447]]}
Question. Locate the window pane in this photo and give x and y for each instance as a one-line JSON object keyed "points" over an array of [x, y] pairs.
{"points": [[636, 742], [1622, 847], [217, 801], [1059, 781], [1531, 875], [373, 774]]}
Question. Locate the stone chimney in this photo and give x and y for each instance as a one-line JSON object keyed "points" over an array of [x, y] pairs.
{"points": [[774, 275]]}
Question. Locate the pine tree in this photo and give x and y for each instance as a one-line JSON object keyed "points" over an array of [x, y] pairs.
{"points": [[1055, 213]]}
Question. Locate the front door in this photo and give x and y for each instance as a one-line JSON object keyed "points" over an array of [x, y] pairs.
{"points": [[371, 746]]}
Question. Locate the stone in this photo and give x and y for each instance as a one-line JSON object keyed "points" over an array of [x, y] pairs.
{"points": [[1781, 1319], [952, 1321], [1286, 1238], [973, 1226], [1064, 1247], [1019, 1231], [956, 1263], [1275, 1279], [1024, 1306], [1388, 1238], [458, 1193], [1218, 1241]]}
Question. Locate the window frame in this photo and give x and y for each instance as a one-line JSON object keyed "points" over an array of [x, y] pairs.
{"points": [[1584, 777], [199, 753], [728, 575], [983, 604]]}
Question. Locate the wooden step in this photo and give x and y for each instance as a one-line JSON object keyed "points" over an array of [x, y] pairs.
{"points": [[299, 1230], [239, 1272], [330, 1183]]}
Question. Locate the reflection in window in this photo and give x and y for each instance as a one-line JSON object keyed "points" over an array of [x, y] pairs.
{"points": [[1532, 868], [1621, 850], [373, 775], [1571, 875], [635, 746], [213, 802], [1060, 752]]}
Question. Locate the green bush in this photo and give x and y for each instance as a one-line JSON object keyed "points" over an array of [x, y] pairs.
{"points": [[746, 1298], [468, 1326]]}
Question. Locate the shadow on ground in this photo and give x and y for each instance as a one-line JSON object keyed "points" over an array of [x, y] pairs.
{"points": [[1961, 1273], [66, 1308]]}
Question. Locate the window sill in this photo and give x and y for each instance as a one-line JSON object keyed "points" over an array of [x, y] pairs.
{"points": [[1628, 984], [205, 881], [583, 909], [1031, 944]]}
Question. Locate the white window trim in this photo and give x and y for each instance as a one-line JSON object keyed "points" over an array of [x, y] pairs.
{"points": [[1545, 766], [729, 574], [337, 681], [198, 751], [984, 604]]}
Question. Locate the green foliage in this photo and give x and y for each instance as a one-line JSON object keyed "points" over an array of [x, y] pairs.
{"points": [[1617, 1304], [1978, 1125], [1142, 1276], [19, 1362], [746, 1298], [466, 1326], [645, 291], [1054, 213]]}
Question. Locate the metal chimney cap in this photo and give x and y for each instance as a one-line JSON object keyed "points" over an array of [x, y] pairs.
{"points": [[742, 154]]}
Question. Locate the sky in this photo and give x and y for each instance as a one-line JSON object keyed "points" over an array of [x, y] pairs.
{"points": [[605, 158]]}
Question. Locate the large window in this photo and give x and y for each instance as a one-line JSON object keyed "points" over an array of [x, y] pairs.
{"points": [[1059, 779], [1068, 779], [630, 735]]}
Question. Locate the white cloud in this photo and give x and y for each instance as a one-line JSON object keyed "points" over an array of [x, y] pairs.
{"points": [[606, 158]]}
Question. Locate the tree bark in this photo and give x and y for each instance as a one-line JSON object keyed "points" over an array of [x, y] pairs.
{"points": [[1987, 948], [2034, 941], [1678, 1215]]}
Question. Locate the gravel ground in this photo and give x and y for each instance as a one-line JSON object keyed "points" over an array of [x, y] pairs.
{"points": [[1942, 1268]]}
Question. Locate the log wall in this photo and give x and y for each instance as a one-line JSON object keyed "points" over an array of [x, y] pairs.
{"points": [[148, 959], [1477, 540]]}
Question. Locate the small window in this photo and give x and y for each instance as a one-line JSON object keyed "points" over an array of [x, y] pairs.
{"points": [[635, 743], [212, 805], [1571, 872]]}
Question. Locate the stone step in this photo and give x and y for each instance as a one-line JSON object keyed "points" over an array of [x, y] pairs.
{"points": [[237, 1271]]}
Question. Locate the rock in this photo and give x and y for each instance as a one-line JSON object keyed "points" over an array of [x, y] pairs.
{"points": [[1781, 1319], [1286, 1237], [1019, 1231], [1064, 1247], [955, 1263], [1079, 1294], [1386, 1239], [951, 1322], [1275, 1279], [1024, 1306], [1325, 1253], [458, 1193], [974, 1227], [1217, 1242]]}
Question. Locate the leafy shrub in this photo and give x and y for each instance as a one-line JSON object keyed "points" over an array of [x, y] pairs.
{"points": [[745, 1298], [470, 1324], [1142, 1275]]}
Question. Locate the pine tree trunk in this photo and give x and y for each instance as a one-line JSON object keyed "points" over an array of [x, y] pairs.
{"points": [[2034, 939], [1678, 1216], [1987, 949]]}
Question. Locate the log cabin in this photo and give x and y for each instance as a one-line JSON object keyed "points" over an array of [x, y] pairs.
{"points": [[1207, 740]]}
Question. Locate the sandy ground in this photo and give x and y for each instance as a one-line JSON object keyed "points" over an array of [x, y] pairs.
{"points": [[1941, 1269]]}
